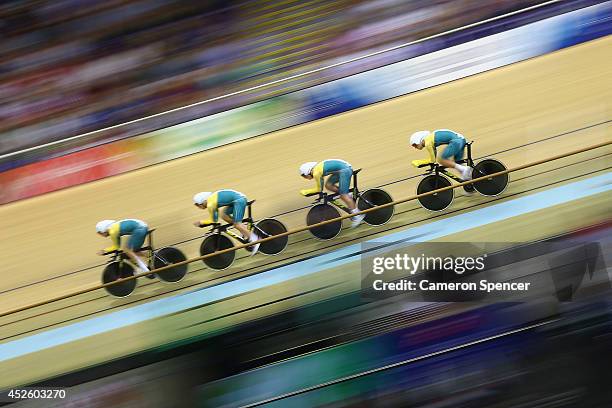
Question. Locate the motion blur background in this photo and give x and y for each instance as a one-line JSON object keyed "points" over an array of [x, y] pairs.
{"points": [[70, 67], [125, 108]]}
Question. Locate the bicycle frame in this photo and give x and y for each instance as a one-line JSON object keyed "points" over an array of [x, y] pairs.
{"points": [[327, 198], [218, 228], [448, 174], [355, 188], [469, 160], [120, 256]]}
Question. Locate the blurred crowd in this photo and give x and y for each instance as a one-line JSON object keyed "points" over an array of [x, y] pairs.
{"points": [[73, 66]]}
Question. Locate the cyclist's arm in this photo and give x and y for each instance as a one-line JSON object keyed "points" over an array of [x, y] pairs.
{"points": [[431, 152], [213, 213], [317, 175], [213, 216], [212, 205], [113, 233]]}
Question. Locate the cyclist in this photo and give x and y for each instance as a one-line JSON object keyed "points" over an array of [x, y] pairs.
{"points": [[448, 158], [234, 204], [339, 181], [136, 229]]}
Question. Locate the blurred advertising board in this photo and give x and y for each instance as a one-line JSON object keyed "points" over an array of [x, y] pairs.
{"points": [[70, 170]]}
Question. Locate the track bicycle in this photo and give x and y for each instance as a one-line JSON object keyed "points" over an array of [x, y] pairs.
{"points": [[439, 176], [119, 266], [219, 237], [328, 206]]}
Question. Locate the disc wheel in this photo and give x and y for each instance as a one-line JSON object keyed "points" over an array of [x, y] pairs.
{"points": [[214, 243], [323, 212], [118, 270], [437, 201], [168, 256], [269, 227], [491, 186], [372, 198]]}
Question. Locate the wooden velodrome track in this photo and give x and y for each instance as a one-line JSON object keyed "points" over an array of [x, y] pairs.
{"points": [[521, 113]]}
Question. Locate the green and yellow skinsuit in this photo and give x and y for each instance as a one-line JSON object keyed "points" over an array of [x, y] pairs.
{"points": [[136, 229], [234, 202], [340, 173], [454, 140]]}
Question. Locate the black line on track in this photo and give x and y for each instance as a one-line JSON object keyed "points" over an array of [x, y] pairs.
{"points": [[258, 306], [402, 363], [190, 309]]}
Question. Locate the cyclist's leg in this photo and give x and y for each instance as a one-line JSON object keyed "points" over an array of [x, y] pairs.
{"points": [[344, 183], [332, 185], [446, 158], [238, 208], [332, 182], [133, 247], [459, 154], [453, 150], [227, 213], [464, 169]]}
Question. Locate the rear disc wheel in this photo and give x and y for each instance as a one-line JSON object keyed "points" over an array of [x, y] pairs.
{"points": [[167, 256], [491, 186], [269, 227], [372, 198]]}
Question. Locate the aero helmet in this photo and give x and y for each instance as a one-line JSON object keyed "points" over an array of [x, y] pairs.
{"points": [[418, 137], [104, 225], [201, 197], [306, 168]]}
